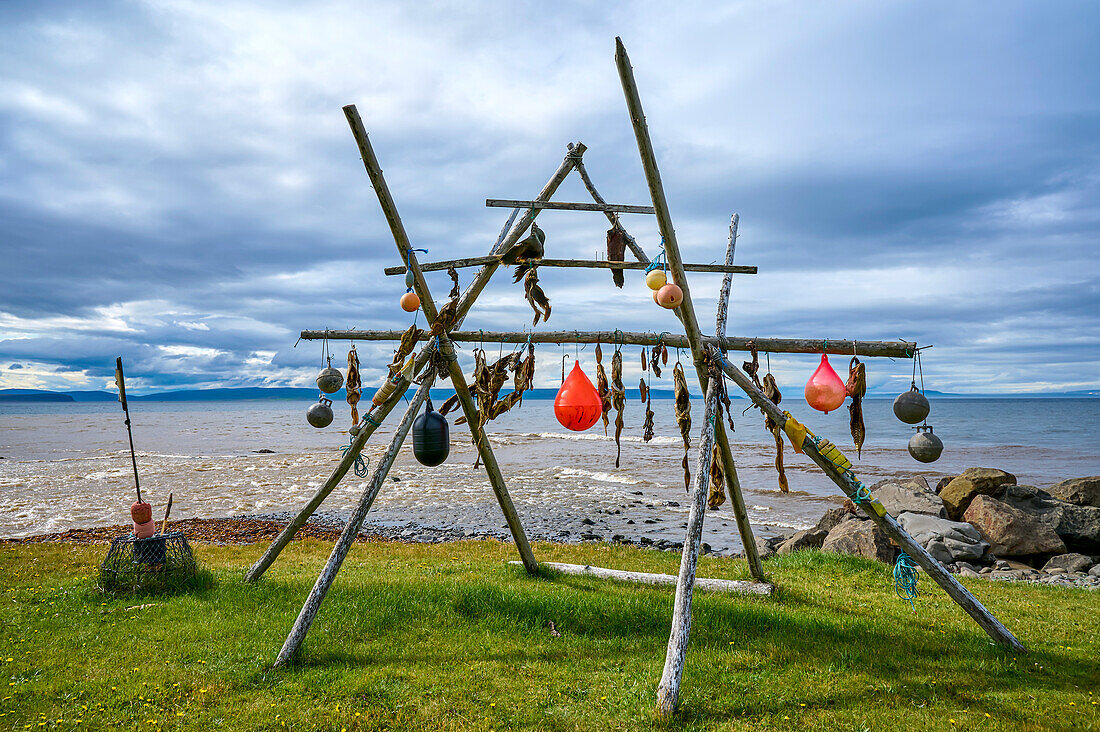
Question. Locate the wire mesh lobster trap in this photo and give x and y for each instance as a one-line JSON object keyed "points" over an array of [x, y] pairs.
{"points": [[161, 563]]}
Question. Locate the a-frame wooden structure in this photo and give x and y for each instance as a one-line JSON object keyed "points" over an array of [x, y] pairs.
{"points": [[707, 355]]}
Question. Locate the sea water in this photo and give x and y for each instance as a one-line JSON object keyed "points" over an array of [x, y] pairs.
{"points": [[67, 465]]}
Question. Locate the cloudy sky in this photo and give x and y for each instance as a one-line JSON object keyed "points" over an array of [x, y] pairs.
{"points": [[178, 184]]}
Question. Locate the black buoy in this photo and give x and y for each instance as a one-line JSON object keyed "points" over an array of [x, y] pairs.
{"points": [[431, 437], [925, 446]]}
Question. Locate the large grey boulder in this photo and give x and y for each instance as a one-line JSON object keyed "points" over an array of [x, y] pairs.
{"points": [[1079, 491], [861, 539], [911, 496], [1010, 531], [807, 539], [1078, 526], [958, 494], [1068, 563], [947, 541]]}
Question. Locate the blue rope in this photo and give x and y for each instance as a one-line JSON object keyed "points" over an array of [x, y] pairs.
{"points": [[905, 579], [361, 465]]}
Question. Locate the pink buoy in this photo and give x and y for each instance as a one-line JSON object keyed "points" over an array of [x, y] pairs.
{"points": [[145, 530], [825, 391]]}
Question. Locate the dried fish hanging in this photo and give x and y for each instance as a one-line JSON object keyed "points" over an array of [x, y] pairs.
{"points": [[618, 399], [487, 381], [647, 397], [602, 388], [616, 252], [404, 348], [771, 391], [717, 490], [534, 295], [683, 416], [856, 388], [354, 385]]}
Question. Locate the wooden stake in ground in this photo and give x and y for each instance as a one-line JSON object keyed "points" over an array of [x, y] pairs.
{"points": [[167, 512], [668, 692], [351, 529], [733, 485]]}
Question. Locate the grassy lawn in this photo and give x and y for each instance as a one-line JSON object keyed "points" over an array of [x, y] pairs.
{"points": [[452, 637]]}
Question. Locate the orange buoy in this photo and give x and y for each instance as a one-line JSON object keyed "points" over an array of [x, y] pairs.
{"points": [[410, 302], [655, 297], [670, 296], [578, 405], [825, 391]]}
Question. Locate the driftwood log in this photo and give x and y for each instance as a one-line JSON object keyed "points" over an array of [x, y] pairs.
{"points": [[739, 587]]}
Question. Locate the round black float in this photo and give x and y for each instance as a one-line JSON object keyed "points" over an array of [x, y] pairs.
{"points": [[431, 437]]}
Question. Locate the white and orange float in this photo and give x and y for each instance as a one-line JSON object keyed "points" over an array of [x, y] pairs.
{"points": [[670, 296]]}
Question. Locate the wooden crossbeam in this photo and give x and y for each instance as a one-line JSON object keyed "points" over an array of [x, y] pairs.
{"points": [[575, 263], [890, 349], [566, 206]]}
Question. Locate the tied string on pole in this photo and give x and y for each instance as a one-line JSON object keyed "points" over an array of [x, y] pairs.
{"points": [[361, 464]]}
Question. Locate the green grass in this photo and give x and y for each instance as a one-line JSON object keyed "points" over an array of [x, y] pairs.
{"points": [[452, 637]]}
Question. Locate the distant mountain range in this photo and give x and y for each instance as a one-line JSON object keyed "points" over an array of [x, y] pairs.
{"points": [[281, 392]]}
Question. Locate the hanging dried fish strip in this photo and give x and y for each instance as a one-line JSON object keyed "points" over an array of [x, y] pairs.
{"points": [[616, 250], [655, 361], [449, 405], [445, 318], [602, 388], [683, 416], [647, 425], [717, 492], [618, 399], [753, 367], [540, 303], [404, 348], [857, 389], [453, 273], [771, 391], [643, 390], [353, 385]]}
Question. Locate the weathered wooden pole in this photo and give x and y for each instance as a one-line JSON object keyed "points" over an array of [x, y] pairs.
{"points": [[733, 484], [675, 262], [569, 206], [889, 349], [846, 481], [367, 426], [446, 349], [738, 587], [612, 218], [351, 529], [668, 691]]}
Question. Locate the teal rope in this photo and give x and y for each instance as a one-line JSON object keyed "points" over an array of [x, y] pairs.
{"points": [[905, 579], [361, 465], [368, 418], [862, 494]]}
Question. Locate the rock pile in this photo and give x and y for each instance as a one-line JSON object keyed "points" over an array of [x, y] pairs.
{"points": [[979, 523]]}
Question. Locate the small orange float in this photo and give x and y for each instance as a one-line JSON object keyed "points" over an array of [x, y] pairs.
{"points": [[670, 296], [410, 302]]}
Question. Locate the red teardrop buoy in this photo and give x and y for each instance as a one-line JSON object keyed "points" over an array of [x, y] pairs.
{"points": [[825, 391], [577, 405]]}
